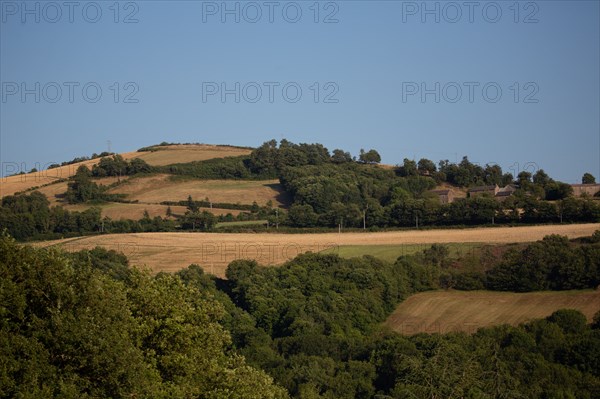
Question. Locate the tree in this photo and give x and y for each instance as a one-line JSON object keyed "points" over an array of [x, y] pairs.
{"points": [[556, 190], [541, 178], [193, 220], [82, 188], [371, 156], [426, 166], [302, 215], [524, 179], [493, 174], [138, 165], [340, 156], [192, 206], [588, 178], [408, 168]]}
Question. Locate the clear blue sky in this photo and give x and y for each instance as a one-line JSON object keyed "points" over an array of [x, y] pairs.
{"points": [[375, 61]]}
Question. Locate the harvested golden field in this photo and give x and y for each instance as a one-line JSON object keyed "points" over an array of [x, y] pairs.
{"points": [[214, 251], [155, 189], [12, 184], [445, 311], [166, 155]]}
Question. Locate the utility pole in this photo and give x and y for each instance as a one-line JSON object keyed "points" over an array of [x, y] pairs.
{"points": [[276, 218], [417, 221], [108, 144], [365, 217]]}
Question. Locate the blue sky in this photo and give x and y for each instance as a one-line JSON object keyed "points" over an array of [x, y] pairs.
{"points": [[372, 74]]}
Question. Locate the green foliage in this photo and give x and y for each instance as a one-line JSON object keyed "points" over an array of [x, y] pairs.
{"points": [[70, 330], [80, 159], [196, 220], [425, 166], [370, 157], [550, 264], [570, 321], [82, 188], [340, 156], [217, 168], [588, 178], [117, 166], [558, 190], [316, 309], [302, 215]]}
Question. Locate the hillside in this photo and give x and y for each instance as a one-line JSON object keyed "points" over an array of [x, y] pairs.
{"points": [[53, 184], [467, 311], [162, 155]]}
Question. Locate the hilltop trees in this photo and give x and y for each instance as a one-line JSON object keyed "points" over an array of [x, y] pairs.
{"points": [[370, 157], [118, 166], [425, 166], [340, 156], [588, 178]]}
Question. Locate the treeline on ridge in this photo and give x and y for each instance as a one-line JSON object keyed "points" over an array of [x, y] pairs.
{"points": [[331, 190]]}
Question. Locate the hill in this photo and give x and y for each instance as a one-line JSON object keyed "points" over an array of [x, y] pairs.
{"points": [[53, 183], [159, 156], [467, 311]]}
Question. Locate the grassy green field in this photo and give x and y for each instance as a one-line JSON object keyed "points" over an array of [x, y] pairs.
{"points": [[391, 252]]}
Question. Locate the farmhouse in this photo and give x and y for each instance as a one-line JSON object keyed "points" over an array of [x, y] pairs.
{"points": [[445, 196], [483, 190], [581, 189], [505, 192], [498, 193]]}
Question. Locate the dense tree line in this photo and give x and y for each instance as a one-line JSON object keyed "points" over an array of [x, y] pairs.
{"points": [[30, 216], [118, 166], [553, 263], [355, 195], [550, 264], [80, 159], [218, 168], [331, 190]]}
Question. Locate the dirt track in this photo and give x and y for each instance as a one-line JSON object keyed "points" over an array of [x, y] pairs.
{"points": [[214, 251]]}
